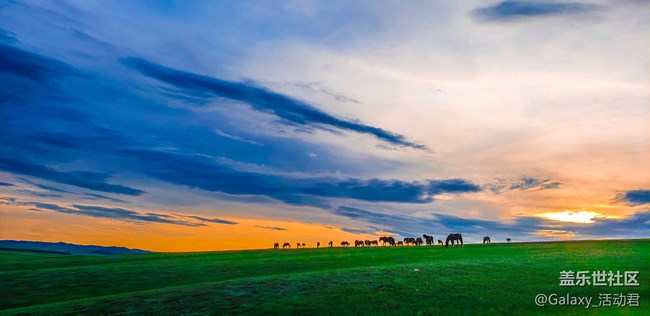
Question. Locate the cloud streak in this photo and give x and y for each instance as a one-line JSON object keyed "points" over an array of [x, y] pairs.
{"points": [[636, 197], [518, 10], [261, 99]]}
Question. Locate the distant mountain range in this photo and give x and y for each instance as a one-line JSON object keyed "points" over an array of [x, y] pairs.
{"points": [[65, 248]]}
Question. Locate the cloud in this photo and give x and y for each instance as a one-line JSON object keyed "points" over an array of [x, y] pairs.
{"points": [[271, 227], [94, 196], [213, 220], [84, 179], [513, 10], [114, 213], [208, 174], [318, 87], [261, 99], [31, 66], [5, 184], [7, 37], [636, 197], [523, 184]]}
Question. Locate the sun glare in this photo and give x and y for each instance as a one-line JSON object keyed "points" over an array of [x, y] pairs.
{"points": [[585, 217]]}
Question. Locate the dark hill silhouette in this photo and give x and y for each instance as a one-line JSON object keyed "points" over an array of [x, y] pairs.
{"points": [[66, 248]]}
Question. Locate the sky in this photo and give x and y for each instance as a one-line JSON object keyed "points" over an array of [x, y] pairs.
{"points": [[221, 125]]}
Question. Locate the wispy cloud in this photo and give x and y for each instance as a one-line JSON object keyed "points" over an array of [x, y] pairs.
{"points": [[516, 10], [119, 214], [212, 220], [524, 183], [284, 107], [84, 179], [271, 227]]}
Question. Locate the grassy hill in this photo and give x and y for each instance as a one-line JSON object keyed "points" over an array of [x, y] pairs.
{"points": [[477, 279]]}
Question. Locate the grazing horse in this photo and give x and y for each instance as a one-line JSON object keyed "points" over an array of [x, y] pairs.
{"points": [[286, 245], [486, 239], [374, 242], [345, 244], [440, 243], [330, 243], [418, 241], [428, 239], [318, 244], [367, 243], [276, 245], [508, 240], [297, 245], [400, 243], [454, 237], [358, 243], [409, 240], [389, 240]]}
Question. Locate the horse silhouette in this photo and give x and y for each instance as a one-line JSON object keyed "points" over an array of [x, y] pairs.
{"points": [[318, 244], [276, 245], [486, 239], [458, 238], [440, 242], [367, 243], [303, 244], [374, 242], [508, 240], [400, 243], [286, 245], [419, 242], [297, 245], [345, 244], [330, 243], [389, 240], [409, 240], [428, 239], [358, 243]]}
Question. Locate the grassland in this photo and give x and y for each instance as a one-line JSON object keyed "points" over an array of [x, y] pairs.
{"points": [[496, 279]]}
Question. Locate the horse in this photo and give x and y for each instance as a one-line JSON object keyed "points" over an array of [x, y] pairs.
{"points": [[428, 239], [486, 239], [303, 244], [374, 242], [330, 243], [367, 243], [389, 240], [318, 244], [276, 245], [454, 237], [409, 240], [400, 243], [440, 243], [418, 241], [297, 245], [286, 245], [508, 240], [358, 243], [345, 244]]}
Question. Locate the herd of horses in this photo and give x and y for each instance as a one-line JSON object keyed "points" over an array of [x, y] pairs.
{"points": [[454, 239]]}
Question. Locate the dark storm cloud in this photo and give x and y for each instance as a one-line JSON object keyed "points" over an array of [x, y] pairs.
{"points": [[285, 107], [514, 10]]}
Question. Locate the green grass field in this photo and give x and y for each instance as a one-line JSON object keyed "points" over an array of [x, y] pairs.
{"points": [[491, 279]]}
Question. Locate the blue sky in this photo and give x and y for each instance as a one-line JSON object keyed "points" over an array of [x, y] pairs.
{"points": [[372, 117]]}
